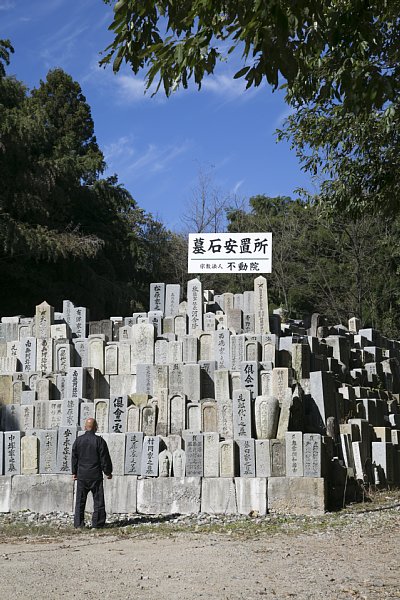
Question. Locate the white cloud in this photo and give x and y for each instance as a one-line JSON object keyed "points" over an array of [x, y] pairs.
{"points": [[131, 88], [237, 185], [120, 149], [132, 163]]}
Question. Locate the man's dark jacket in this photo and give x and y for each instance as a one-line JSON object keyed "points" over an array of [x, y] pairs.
{"points": [[90, 457]]}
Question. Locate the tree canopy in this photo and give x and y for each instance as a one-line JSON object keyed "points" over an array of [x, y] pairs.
{"points": [[339, 61], [66, 231], [337, 49]]}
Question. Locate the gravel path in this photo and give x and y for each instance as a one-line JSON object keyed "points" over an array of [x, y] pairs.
{"points": [[353, 554]]}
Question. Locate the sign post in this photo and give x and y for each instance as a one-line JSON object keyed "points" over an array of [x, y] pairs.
{"points": [[230, 253]]}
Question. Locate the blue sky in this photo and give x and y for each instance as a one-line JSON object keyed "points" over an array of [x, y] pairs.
{"points": [[156, 145]]}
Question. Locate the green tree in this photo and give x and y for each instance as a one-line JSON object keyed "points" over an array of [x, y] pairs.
{"points": [[339, 61], [65, 232], [341, 49], [338, 266]]}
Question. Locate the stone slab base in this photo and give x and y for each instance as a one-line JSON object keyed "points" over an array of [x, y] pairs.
{"points": [[42, 493], [297, 495], [251, 495], [5, 494], [168, 495], [218, 495], [120, 494]]}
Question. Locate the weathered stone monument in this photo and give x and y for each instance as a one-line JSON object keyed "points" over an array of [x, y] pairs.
{"points": [[202, 397]]}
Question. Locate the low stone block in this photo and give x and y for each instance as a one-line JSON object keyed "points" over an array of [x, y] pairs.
{"points": [[251, 495], [165, 495], [218, 495], [42, 493], [297, 495], [119, 495], [5, 494]]}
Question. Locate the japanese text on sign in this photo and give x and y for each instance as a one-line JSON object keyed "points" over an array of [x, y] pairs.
{"points": [[230, 253]]}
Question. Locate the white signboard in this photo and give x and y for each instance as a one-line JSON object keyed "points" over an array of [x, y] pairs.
{"points": [[230, 253]]}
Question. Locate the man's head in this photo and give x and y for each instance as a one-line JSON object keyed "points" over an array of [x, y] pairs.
{"points": [[91, 424]]}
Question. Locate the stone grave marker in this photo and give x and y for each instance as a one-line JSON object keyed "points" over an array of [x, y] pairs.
{"points": [[237, 351], [162, 416], [63, 354], [157, 297], [27, 417], [149, 418], [28, 354], [222, 348], [176, 378], [161, 352], [266, 410], [179, 463], [12, 452], [278, 458], [70, 412], [133, 418], [111, 359], [209, 322], [247, 461], [101, 414], [263, 459], [81, 352], [193, 416], [142, 344], [221, 384], [225, 418], [261, 312], [176, 414], [144, 378], [165, 464], [44, 318], [29, 455], [47, 451], [195, 305], [249, 377], [96, 352], [76, 382], [294, 454], [191, 382], [312, 455], [242, 426], [207, 377], [172, 299], [66, 438], [211, 454], [52, 411], [79, 321], [150, 454], [227, 459], [44, 355], [194, 454], [118, 414], [133, 452], [209, 416], [155, 319]]}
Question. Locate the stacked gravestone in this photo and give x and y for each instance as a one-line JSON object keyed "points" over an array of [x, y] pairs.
{"points": [[211, 387]]}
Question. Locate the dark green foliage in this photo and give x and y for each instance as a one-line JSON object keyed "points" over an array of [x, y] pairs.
{"points": [[64, 231], [337, 266]]}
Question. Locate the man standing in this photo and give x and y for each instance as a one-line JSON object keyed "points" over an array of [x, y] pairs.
{"points": [[90, 459]]}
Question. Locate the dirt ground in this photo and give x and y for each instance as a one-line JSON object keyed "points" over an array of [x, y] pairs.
{"points": [[349, 555]]}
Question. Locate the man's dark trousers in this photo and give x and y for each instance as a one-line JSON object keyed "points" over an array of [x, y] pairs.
{"points": [[83, 487]]}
